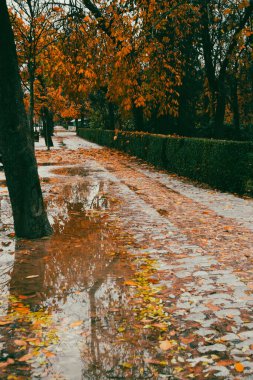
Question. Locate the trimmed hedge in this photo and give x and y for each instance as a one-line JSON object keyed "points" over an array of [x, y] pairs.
{"points": [[225, 165]]}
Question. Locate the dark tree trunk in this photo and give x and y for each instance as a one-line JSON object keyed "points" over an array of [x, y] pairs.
{"points": [[220, 109], [138, 118], [82, 121], [111, 114], [30, 219], [31, 102], [48, 126], [217, 85], [235, 105], [186, 107]]}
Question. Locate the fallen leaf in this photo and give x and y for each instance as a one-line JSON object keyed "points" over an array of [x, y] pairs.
{"points": [[8, 362], [126, 365], [224, 363], [3, 323], [20, 342], [212, 306], [130, 283], [75, 324], [48, 354], [228, 228], [239, 367], [36, 342], [156, 362], [187, 340], [162, 326], [25, 358], [165, 345], [22, 297], [33, 276], [153, 280]]}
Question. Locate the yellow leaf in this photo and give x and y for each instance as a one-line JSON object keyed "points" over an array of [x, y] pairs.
{"points": [[126, 365], [130, 283], [156, 362]]}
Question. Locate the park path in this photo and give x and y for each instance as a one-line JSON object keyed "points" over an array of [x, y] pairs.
{"points": [[146, 277]]}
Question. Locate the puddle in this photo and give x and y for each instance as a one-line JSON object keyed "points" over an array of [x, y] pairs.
{"points": [[66, 311], [75, 171], [49, 163], [121, 290]]}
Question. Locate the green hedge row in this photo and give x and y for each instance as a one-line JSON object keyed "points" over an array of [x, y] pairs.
{"points": [[225, 165]]}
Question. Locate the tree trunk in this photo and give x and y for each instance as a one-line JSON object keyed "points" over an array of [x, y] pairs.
{"points": [[220, 110], [77, 125], [138, 117], [31, 102], [235, 105], [30, 219], [48, 126], [111, 115], [82, 121]]}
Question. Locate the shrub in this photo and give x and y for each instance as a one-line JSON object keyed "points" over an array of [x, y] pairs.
{"points": [[225, 165]]}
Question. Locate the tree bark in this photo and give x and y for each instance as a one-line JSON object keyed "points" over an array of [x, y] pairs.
{"points": [[217, 82], [48, 126], [30, 219], [209, 65], [82, 121], [235, 105], [31, 102], [138, 117], [220, 109], [111, 115]]}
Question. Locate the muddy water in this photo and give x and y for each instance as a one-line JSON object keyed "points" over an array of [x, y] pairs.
{"points": [[65, 309]]}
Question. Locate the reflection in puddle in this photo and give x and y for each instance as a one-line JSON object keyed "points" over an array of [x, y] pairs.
{"points": [[65, 311], [49, 163], [75, 170]]}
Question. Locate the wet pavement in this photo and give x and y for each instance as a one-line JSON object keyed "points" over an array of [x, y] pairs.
{"points": [[146, 276]]}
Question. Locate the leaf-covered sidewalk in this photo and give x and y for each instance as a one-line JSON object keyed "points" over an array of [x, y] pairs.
{"points": [[167, 268]]}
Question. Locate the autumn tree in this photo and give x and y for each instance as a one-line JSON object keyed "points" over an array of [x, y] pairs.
{"points": [[137, 53], [36, 24], [170, 65]]}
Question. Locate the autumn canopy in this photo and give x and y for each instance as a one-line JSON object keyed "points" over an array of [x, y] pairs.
{"points": [[180, 67]]}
